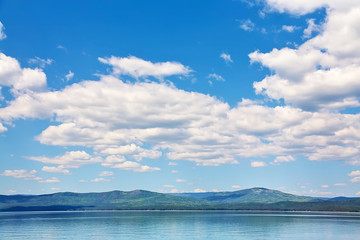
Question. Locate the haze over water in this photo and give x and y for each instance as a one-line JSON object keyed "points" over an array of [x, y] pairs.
{"points": [[179, 225]]}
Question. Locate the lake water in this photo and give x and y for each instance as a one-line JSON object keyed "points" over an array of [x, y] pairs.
{"points": [[168, 225]]}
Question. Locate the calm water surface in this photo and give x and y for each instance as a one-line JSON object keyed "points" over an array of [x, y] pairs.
{"points": [[168, 225]]}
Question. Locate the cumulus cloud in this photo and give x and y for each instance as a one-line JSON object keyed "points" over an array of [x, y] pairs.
{"points": [[106, 174], [289, 28], [311, 28], [355, 180], [40, 62], [180, 180], [247, 25], [216, 77], [199, 190], [22, 173], [19, 79], [226, 57], [258, 164], [137, 67], [69, 76], [73, 159], [354, 173], [2, 33], [100, 180], [282, 159], [59, 169], [329, 61], [51, 180]]}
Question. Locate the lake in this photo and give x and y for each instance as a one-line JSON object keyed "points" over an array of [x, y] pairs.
{"points": [[168, 225]]}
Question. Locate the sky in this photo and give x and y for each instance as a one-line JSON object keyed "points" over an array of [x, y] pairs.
{"points": [[180, 96]]}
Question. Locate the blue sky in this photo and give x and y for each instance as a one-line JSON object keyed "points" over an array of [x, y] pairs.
{"points": [[180, 96]]}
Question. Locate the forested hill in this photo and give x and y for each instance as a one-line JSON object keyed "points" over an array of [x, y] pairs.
{"points": [[248, 199]]}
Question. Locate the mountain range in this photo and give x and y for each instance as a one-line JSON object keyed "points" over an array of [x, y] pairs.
{"points": [[247, 199]]}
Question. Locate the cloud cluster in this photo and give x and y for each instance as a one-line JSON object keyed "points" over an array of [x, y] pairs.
{"points": [[28, 175], [2, 33], [20, 80], [322, 73]]}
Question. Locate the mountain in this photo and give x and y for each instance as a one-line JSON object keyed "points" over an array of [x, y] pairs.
{"points": [[248, 199], [252, 195]]}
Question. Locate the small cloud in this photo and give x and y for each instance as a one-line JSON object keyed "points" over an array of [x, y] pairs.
{"points": [[355, 179], [12, 191], [288, 28], [354, 173], [247, 25], [168, 186], [100, 180], [83, 180], [172, 164], [216, 77], [226, 57], [325, 186], [174, 190], [236, 187], [180, 180], [40, 62], [59, 169], [174, 171], [312, 27], [340, 184], [106, 174], [62, 48], [199, 190], [2, 33], [258, 164], [69, 76], [22, 173], [51, 180], [54, 189], [282, 159]]}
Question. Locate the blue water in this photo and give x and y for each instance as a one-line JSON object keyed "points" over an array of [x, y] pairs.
{"points": [[168, 225]]}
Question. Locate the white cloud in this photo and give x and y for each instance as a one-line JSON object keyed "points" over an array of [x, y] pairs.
{"points": [[59, 169], [106, 174], [324, 186], [137, 67], [51, 180], [247, 25], [54, 189], [329, 61], [69, 76], [19, 79], [173, 164], [258, 164], [319, 193], [174, 191], [100, 180], [11, 191], [168, 186], [180, 180], [199, 190], [40, 62], [82, 180], [215, 77], [2, 128], [340, 184], [73, 159], [283, 159], [130, 166], [355, 179], [226, 57], [236, 187], [311, 28], [354, 173], [22, 173], [289, 28], [2, 33], [174, 171]]}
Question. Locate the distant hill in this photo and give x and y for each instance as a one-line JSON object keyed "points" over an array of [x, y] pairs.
{"points": [[248, 199], [252, 195]]}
